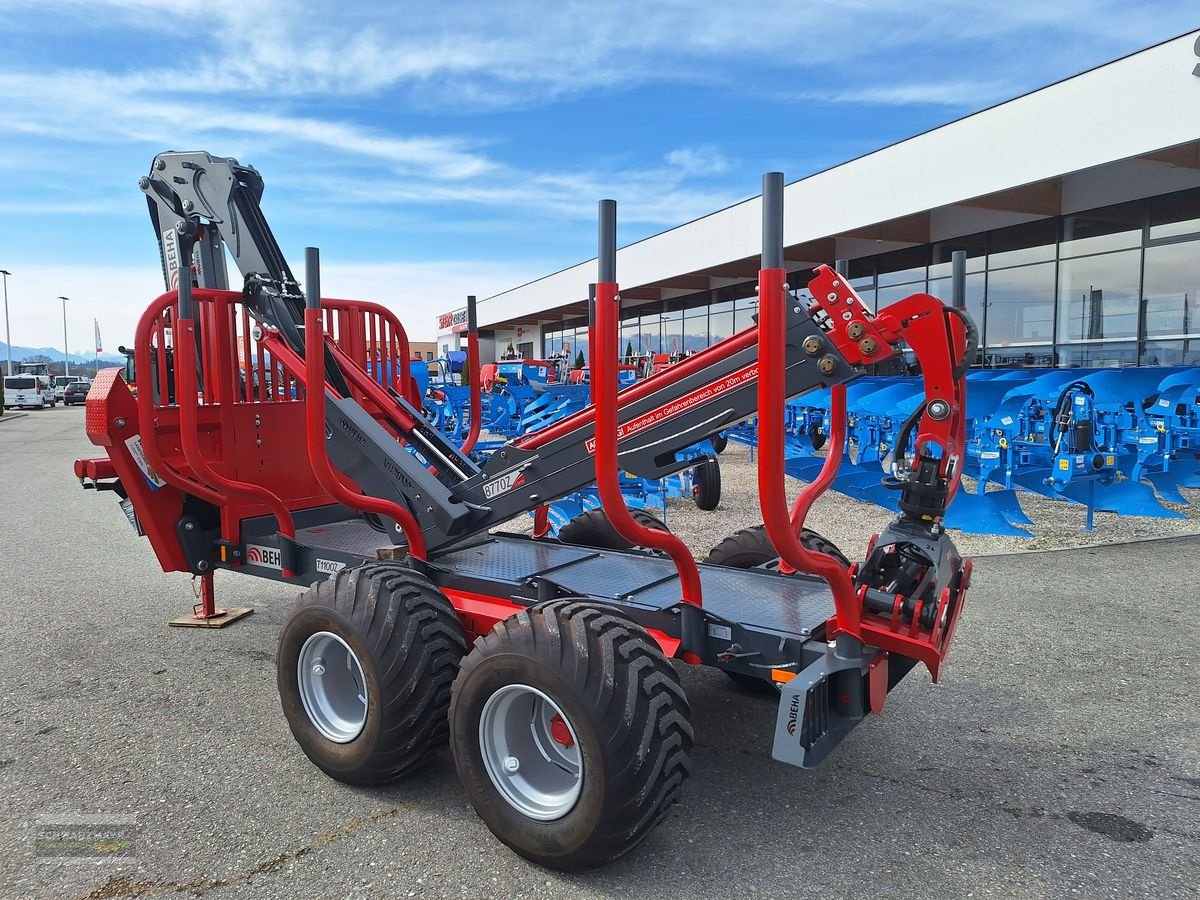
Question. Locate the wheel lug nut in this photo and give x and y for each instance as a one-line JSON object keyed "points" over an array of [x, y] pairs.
{"points": [[318, 669], [511, 765]]}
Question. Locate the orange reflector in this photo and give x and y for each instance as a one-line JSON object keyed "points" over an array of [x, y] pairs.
{"points": [[222, 554], [782, 676]]}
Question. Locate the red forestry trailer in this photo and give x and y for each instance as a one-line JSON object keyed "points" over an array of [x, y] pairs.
{"points": [[278, 434]]}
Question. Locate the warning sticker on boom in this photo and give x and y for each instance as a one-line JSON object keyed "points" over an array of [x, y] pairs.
{"points": [[134, 444], [683, 404]]}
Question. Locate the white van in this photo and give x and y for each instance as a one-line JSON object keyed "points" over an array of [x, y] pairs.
{"points": [[33, 391], [61, 382]]}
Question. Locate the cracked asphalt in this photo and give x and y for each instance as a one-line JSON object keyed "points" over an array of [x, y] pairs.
{"points": [[1060, 755]]}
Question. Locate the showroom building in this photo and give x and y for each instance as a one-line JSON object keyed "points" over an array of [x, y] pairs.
{"points": [[1078, 206]]}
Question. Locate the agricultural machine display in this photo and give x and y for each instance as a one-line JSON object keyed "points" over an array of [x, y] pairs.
{"points": [[520, 397], [545, 665], [1106, 439]]}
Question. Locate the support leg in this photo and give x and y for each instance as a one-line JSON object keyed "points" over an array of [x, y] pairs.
{"points": [[205, 614]]}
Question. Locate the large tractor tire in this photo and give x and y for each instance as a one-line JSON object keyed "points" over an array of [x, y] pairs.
{"points": [[706, 484], [749, 548], [365, 666], [592, 529], [571, 734]]}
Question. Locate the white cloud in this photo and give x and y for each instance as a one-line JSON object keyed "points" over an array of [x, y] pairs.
{"points": [[956, 94], [706, 160], [456, 56]]}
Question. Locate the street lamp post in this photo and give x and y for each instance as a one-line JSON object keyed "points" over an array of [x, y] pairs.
{"points": [[7, 338], [66, 353]]}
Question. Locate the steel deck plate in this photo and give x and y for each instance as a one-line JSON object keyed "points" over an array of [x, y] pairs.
{"points": [[794, 606], [351, 536], [512, 561]]}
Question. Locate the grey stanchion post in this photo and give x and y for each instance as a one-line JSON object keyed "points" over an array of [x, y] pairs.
{"points": [[772, 220], [958, 279], [608, 241], [312, 278]]}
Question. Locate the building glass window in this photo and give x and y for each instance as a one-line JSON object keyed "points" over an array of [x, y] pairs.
{"points": [[861, 271], [941, 288], [1098, 297], [1102, 230], [1020, 305], [631, 337], [903, 266], [889, 295], [942, 255], [651, 340], [1172, 289], [1170, 353], [1037, 357], [1175, 215], [744, 312], [695, 329], [1099, 354], [720, 325], [1020, 244], [670, 331]]}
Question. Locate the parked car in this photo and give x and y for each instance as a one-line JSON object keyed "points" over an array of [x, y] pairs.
{"points": [[76, 392], [28, 391], [61, 382]]}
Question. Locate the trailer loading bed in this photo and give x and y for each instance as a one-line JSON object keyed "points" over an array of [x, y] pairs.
{"points": [[788, 606], [794, 607]]}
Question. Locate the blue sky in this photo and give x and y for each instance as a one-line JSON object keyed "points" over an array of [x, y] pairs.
{"points": [[435, 150]]}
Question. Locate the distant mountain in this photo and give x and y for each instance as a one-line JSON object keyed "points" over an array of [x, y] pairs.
{"points": [[55, 355]]}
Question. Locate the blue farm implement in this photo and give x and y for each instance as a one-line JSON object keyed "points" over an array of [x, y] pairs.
{"points": [[1117, 440]]}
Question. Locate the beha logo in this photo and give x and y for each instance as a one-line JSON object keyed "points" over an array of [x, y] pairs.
{"points": [[793, 714], [268, 557]]}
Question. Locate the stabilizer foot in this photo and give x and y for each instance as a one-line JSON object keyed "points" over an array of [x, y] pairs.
{"points": [[205, 614], [219, 619]]}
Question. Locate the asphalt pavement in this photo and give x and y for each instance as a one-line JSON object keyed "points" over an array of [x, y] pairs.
{"points": [[1059, 756]]}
